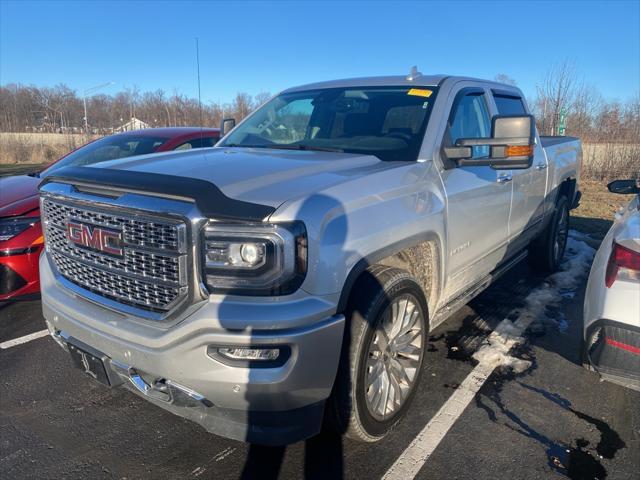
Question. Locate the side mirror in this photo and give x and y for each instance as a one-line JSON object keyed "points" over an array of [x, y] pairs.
{"points": [[512, 144], [625, 187], [227, 125]]}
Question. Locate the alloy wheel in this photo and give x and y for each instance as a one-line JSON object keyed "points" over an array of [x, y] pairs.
{"points": [[394, 357]]}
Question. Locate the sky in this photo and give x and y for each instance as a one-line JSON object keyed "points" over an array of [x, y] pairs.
{"points": [[269, 46]]}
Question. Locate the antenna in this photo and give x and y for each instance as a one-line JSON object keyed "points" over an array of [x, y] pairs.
{"points": [[414, 73], [199, 95]]}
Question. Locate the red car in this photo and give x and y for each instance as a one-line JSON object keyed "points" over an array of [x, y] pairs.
{"points": [[21, 238]]}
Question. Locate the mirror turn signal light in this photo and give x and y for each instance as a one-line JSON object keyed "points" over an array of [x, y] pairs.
{"points": [[518, 151]]}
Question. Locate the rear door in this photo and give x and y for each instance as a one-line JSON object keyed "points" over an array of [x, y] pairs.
{"points": [[529, 185], [478, 197]]}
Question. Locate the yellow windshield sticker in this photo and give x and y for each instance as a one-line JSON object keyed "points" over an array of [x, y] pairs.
{"points": [[419, 92]]}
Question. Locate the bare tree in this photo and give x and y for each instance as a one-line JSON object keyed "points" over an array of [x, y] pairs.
{"points": [[586, 102], [260, 99], [242, 105], [556, 93]]}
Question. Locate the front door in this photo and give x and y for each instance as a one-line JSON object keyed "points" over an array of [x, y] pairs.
{"points": [[478, 198]]}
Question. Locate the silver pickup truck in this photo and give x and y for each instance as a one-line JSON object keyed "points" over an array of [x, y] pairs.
{"points": [[290, 276]]}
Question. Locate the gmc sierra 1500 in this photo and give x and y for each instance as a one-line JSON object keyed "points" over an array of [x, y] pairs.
{"points": [[293, 272]]}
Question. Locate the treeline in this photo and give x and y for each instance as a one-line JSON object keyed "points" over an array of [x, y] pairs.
{"points": [[587, 114], [593, 119], [561, 93], [60, 109]]}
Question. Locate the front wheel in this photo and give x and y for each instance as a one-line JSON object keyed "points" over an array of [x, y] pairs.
{"points": [[382, 354], [547, 251]]}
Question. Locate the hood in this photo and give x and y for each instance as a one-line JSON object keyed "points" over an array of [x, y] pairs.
{"points": [[18, 195], [263, 176]]}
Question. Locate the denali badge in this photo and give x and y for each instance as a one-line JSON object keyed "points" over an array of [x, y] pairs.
{"points": [[95, 238]]}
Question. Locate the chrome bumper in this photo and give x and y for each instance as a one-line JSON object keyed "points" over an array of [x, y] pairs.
{"points": [[161, 389]]}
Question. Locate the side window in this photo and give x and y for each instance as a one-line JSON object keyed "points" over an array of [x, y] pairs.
{"points": [[288, 124], [509, 105], [470, 119]]}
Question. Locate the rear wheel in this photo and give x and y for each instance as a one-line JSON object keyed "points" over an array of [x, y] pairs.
{"points": [[547, 251], [382, 354]]}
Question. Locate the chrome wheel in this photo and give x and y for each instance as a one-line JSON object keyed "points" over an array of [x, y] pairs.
{"points": [[394, 357], [562, 232]]}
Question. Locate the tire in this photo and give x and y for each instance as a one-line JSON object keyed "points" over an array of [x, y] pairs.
{"points": [[356, 407], [547, 251]]}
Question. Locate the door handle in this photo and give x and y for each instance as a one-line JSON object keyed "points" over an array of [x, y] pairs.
{"points": [[541, 166], [504, 179]]}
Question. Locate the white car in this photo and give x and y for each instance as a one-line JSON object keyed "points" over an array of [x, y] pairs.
{"points": [[612, 299]]}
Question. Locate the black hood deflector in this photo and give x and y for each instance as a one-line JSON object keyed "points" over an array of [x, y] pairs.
{"points": [[208, 197]]}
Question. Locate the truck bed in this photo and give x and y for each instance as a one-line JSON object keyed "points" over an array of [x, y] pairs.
{"points": [[550, 140], [564, 155]]}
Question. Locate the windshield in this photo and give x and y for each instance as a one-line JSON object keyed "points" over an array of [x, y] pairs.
{"points": [[109, 148], [387, 122]]}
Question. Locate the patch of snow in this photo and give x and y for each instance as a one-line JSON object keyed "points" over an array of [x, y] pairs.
{"points": [[560, 285], [495, 351], [548, 297]]}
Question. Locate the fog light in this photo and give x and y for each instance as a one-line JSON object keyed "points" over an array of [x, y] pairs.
{"points": [[243, 353], [253, 356]]}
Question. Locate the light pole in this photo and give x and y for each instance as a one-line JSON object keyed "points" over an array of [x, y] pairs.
{"points": [[84, 100]]}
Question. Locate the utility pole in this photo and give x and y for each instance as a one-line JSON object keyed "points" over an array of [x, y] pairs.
{"points": [[84, 101]]}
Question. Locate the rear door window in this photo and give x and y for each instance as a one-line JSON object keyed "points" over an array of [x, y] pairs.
{"points": [[509, 105]]}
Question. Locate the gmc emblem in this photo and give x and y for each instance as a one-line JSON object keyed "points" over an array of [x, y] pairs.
{"points": [[95, 238]]}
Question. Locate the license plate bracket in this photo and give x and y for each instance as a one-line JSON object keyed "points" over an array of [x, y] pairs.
{"points": [[93, 362]]}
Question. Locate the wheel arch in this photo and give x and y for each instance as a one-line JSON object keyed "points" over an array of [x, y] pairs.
{"points": [[420, 256], [567, 188]]}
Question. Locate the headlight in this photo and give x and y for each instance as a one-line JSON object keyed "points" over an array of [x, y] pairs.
{"points": [[255, 259], [12, 226]]}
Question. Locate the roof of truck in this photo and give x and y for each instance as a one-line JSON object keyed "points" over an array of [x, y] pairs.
{"points": [[417, 80], [394, 80]]}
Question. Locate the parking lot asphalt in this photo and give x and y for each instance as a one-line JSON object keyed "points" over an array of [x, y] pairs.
{"points": [[554, 420]]}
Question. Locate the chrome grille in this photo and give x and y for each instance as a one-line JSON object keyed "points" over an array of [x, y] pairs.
{"points": [[137, 262], [136, 232], [150, 274]]}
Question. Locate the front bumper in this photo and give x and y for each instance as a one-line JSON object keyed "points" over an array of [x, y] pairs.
{"points": [[19, 272], [19, 263], [276, 405]]}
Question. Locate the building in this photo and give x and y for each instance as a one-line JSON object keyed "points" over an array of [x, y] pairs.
{"points": [[133, 124]]}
